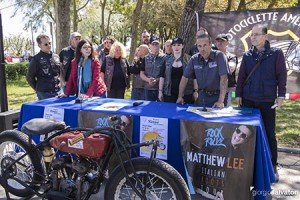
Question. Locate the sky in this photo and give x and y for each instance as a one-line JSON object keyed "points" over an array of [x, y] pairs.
{"points": [[15, 25]]}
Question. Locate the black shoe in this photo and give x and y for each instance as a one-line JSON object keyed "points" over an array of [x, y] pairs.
{"points": [[276, 174]]}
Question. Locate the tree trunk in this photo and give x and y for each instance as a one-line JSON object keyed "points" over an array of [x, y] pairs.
{"points": [[134, 28], [242, 5], [229, 4], [62, 16], [102, 25], [188, 24], [75, 17]]}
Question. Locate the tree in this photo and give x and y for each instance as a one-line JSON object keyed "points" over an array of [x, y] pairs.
{"points": [[134, 30], [188, 21], [75, 12], [17, 44], [62, 16]]}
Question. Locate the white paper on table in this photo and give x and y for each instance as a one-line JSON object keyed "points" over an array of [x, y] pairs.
{"points": [[112, 106], [211, 112], [54, 113], [152, 128]]}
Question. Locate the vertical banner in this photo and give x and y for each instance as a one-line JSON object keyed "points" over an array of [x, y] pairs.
{"points": [[152, 128], [283, 32], [219, 159]]}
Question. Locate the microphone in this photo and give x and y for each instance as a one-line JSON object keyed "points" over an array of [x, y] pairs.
{"points": [[137, 103], [79, 99]]}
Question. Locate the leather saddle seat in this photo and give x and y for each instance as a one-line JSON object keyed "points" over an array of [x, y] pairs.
{"points": [[41, 126]]}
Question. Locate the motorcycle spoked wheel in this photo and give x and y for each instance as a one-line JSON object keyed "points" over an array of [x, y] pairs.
{"points": [[14, 144], [164, 182]]}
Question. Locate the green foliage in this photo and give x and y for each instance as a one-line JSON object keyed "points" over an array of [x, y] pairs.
{"points": [[221, 5], [287, 124], [15, 71], [19, 92], [17, 44]]}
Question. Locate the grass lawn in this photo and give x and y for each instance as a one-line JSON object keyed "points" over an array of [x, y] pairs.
{"points": [[288, 117]]}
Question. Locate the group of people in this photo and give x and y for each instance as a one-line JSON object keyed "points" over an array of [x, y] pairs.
{"points": [[206, 77]]}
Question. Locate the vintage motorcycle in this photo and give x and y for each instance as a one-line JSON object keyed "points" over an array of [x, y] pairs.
{"points": [[29, 169]]}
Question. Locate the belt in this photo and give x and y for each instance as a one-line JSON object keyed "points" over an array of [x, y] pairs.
{"points": [[210, 92]]}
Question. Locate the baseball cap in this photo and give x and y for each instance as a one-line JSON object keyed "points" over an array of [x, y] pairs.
{"points": [[154, 38], [75, 34], [177, 40], [223, 37]]}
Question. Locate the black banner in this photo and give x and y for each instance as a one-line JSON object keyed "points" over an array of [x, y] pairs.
{"points": [[219, 159], [284, 33]]}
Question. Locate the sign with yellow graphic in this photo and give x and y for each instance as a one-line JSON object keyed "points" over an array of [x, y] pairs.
{"points": [[154, 129]]}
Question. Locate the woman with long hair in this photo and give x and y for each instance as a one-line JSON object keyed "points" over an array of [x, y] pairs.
{"points": [[85, 77], [115, 71]]}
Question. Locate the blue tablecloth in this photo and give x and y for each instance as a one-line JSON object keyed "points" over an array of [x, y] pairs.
{"points": [[263, 170]]}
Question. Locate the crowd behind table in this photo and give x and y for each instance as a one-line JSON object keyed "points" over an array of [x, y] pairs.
{"points": [[206, 77]]}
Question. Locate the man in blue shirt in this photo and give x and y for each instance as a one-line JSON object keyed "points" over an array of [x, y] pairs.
{"points": [[209, 67]]}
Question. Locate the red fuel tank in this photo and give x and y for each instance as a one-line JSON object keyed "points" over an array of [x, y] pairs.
{"points": [[94, 146]]}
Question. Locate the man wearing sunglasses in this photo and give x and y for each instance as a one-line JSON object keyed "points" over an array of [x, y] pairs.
{"points": [[44, 70], [262, 83]]}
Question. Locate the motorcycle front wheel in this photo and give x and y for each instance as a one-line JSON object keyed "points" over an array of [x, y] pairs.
{"points": [[14, 144], [162, 182]]}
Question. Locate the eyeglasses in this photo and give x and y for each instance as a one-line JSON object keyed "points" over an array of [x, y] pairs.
{"points": [[86, 47], [47, 44], [257, 34], [241, 133]]}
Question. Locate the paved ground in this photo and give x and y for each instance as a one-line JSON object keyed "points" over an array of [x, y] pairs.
{"points": [[288, 188]]}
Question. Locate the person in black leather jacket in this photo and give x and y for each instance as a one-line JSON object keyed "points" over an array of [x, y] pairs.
{"points": [[44, 70]]}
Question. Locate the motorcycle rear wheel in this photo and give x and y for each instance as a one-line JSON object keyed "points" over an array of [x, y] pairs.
{"points": [[29, 169], [163, 182]]}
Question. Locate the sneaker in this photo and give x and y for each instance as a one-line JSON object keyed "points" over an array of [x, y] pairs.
{"points": [[276, 174]]}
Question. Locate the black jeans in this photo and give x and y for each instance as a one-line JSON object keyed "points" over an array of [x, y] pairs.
{"points": [[116, 93], [269, 117]]}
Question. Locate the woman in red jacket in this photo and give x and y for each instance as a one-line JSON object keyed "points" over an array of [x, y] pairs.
{"points": [[85, 73]]}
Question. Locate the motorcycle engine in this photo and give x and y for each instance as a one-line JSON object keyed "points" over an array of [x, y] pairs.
{"points": [[68, 187], [71, 178]]}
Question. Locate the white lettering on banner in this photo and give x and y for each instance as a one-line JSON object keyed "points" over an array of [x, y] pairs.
{"points": [[205, 159], [289, 18], [269, 16], [214, 137]]}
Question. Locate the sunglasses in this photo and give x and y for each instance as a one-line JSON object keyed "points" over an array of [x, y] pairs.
{"points": [[241, 133], [47, 44]]}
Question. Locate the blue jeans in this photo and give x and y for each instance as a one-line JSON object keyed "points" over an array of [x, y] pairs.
{"points": [[137, 94], [45, 95], [151, 95]]}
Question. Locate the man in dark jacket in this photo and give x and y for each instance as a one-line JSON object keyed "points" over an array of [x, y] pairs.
{"points": [[44, 70], [66, 55], [265, 87]]}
